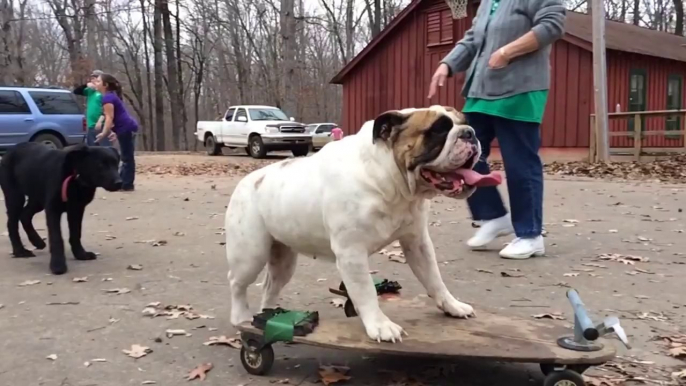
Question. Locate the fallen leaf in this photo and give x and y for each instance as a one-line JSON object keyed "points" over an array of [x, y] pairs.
{"points": [[613, 231], [223, 340], [2, 306], [28, 282], [658, 317], [159, 243], [594, 265], [132, 218], [642, 297], [118, 291], [435, 223], [337, 302], [107, 279], [624, 259], [110, 237], [148, 383], [333, 374], [678, 352], [200, 372], [137, 351], [99, 360], [550, 315], [483, 270], [571, 221], [52, 357], [135, 267], [80, 279], [572, 274], [87, 364], [179, 234], [679, 374], [320, 280]]}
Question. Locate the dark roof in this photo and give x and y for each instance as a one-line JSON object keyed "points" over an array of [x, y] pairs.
{"points": [[629, 38], [578, 27]]}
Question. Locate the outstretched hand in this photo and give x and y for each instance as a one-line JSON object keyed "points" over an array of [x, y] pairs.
{"points": [[438, 80]]}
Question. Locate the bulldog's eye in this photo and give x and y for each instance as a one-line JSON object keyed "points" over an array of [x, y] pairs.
{"points": [[441, 127]]}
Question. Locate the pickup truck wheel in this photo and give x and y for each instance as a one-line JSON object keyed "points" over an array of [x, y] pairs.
{"points": [[300, 151], [211, 146], [256, 147], [49, 141]]}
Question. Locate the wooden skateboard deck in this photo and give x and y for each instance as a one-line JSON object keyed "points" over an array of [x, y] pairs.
{"points": [[433, 334]]}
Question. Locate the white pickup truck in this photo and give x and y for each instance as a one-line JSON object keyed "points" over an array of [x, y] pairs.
{"points": [[258, 129]]}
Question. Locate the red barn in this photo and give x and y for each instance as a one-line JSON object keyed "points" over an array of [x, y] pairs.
{"points": [[646, 71]]}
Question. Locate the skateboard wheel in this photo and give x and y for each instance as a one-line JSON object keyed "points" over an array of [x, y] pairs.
{"points": [[547, 368], [349, 309], [564, 378], [257, 361]]}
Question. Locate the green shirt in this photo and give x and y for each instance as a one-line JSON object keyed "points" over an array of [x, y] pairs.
{"points": [[93, 106], [527, 107]]}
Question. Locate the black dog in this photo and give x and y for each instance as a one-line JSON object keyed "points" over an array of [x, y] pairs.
{"points": [[58, 181]]}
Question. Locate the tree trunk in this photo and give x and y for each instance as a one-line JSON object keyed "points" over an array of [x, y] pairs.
{"points": [[637, 12], [159, 82], [91, 34], [288, 53], [148, 79], [182, 99], [679, 14], [172, 75]]}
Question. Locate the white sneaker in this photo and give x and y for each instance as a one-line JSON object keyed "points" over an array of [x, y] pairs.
{"points": [[521, 248], [490, 230]]}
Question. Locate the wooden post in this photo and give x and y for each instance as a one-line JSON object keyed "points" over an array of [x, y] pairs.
{"points": [[593, 149], [600, 80], [638, 138]]}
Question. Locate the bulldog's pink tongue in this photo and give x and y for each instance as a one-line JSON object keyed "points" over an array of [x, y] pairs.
{"points": [[480, 180]]}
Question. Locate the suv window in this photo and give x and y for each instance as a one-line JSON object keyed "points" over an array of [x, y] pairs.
{"points": [[242, 113], [55, 103], [229, 114], [12, 102], [325, 129]]}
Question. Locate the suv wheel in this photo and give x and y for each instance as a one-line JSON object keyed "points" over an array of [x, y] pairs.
{"points": [[256, 147], [49, 140]]}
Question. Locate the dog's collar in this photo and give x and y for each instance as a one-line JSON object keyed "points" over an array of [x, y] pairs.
{"points": [[65, 186]]}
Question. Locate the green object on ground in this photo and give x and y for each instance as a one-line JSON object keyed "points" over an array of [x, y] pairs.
{"points": [[280, 328]]}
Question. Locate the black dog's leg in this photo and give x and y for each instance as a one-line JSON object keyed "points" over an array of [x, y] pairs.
{"points": [[14, 201], [75, 219], [58, 262], [30, 210]]}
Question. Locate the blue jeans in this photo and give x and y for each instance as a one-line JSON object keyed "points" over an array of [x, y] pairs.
{"points": [[90, 138], [519, 143], [127, 144]]}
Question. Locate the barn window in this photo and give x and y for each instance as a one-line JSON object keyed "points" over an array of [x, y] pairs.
{"points": [[637, 94], [674, 100], [439, 27]]}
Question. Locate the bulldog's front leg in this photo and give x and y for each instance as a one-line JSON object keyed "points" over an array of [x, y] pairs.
{"points": [[421, 257], [353, 266]]}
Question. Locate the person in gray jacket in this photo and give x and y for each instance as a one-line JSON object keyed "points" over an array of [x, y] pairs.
{"points": [[506, 56]]}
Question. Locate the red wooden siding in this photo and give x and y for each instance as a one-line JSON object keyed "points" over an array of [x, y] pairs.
{"points": [[657, 73], [397, 73]]}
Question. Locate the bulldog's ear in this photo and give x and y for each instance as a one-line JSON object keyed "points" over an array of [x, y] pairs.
{"points": [[75, 154], [385, 123], [462, 120]]}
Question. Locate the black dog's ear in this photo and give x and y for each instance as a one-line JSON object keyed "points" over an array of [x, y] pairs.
{"points": [[75, 154], [385, 123]]}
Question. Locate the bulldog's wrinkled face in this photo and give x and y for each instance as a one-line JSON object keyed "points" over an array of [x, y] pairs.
{"points": [[434, 146]]}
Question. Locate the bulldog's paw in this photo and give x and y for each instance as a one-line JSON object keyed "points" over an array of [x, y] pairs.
{"points": [[240, 316], [457, 309], [385, 330]]}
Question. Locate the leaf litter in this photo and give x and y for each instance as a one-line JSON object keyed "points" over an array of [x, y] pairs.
{"points": [[234, 342], [199, 371], [333, 374], [28, 283], [137, 351], [550, 315], [624, 259], [156, 309]]}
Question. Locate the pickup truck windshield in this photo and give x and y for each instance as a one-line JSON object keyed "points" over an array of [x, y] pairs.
{"points": [[267, 115]]}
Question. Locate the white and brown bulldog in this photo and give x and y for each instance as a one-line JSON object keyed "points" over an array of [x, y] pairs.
{"points": [[348, 201]]}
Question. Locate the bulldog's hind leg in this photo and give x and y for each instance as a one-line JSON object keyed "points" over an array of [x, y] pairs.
{"points": [[421, 257], [280, 269]]}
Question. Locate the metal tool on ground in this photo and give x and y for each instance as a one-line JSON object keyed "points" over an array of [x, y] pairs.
{"points": [[491, 336]]}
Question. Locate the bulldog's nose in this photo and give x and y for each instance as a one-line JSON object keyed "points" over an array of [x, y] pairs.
{"points": [[467, 134]]}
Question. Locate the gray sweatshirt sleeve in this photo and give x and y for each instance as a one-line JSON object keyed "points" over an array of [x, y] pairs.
{"points": [[548, 18], [461, 56]]}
